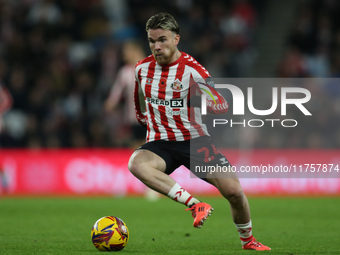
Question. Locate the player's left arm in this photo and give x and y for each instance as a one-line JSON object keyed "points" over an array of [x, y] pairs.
{"points": [[216, 103], [202, 83]]}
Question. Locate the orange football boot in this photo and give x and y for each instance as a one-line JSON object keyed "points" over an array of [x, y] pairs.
{"points": [[200, 212], [254, 245]]}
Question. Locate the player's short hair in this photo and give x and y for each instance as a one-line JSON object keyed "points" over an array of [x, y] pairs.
{"points": [[164, 21]]}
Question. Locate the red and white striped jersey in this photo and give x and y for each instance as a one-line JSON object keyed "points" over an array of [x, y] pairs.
{"points": [[161, 98]]}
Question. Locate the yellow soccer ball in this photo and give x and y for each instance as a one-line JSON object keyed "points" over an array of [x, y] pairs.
{"points": [[110, 234]]}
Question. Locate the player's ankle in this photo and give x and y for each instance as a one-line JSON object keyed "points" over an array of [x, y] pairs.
{"points": [[178, 194]]}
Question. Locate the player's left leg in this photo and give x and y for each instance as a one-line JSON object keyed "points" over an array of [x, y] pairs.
{"points": [[230, 187]]}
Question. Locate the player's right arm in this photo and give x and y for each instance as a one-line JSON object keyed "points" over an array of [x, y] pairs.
{"points": [[139, 99]]}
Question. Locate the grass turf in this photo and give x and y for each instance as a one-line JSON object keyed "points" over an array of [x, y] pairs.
{"points": [[63, 225]]}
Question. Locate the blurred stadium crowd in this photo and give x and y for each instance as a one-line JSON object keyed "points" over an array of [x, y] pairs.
{"points": [[59, 59], [312, 51]]}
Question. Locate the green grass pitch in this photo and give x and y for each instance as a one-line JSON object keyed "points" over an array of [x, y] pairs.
{"points": [[63, 225]]}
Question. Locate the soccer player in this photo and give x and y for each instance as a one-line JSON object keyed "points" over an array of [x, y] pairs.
{"points": [[175, 133], [123, 87]]}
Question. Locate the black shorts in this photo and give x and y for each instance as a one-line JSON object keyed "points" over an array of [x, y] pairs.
{"points": [[195, 153]]}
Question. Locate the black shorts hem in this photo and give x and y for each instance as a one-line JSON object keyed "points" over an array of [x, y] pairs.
{"points": [[154, 146]]}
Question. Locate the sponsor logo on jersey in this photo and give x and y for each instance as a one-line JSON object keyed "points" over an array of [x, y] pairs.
{"points": [[174, 112], [173, 103], [176, 103]]}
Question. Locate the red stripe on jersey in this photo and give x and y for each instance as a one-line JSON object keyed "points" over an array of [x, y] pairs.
{"points": [[151, 72], [162, 85], [176, 94]]}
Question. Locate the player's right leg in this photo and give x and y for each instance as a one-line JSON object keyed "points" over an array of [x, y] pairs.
{"points": [[149, 168]]}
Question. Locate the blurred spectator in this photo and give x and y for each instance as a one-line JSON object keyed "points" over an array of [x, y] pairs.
{"points": [[44, 11], [313, 51], [293, 64], [5, 104], [123, 88]]}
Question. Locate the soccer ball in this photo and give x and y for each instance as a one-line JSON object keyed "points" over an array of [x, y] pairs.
{"points": [[110, 234]]}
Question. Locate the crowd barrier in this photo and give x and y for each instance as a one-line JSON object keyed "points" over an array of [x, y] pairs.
{"points": [[104, 172]]}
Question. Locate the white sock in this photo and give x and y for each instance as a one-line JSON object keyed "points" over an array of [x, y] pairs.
{"points": [[245, 232], [178, 194]]}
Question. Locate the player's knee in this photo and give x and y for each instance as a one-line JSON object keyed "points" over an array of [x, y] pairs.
{"points": [[235, 196], [136, 167], [133, 166], [231, 189]]}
